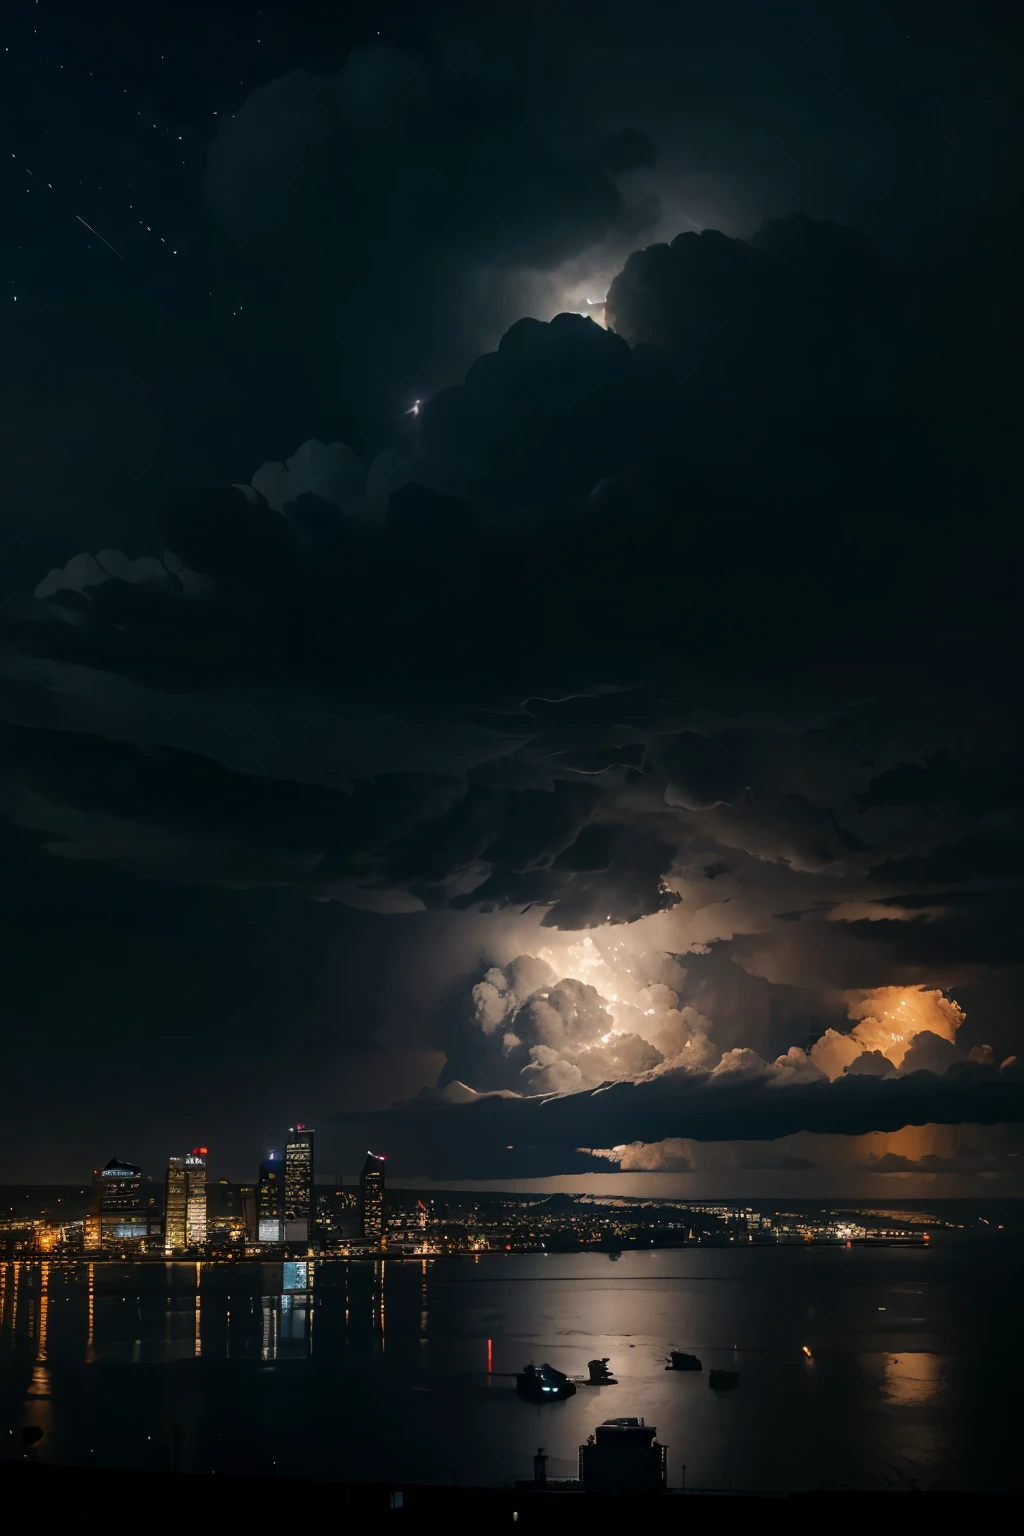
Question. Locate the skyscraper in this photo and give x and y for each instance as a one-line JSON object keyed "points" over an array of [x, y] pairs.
{"points": [[371, 1189], [195, 1173], [122, 1211], [298, 1185], [175, 1206], [185, 1201], [270, 1200], [247, 1209]]}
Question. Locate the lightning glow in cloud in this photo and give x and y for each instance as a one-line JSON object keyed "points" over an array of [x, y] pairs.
{"points": [[888, 1020]]}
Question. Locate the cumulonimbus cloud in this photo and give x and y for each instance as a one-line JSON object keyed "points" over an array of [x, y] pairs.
{"points": [[554, 657], [556, 1054]]}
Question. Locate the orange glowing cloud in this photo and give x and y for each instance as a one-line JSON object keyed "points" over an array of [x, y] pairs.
{"points": [[888, 1018]]}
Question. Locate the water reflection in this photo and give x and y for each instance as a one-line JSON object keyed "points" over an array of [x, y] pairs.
{"points": [[429, 1347], [91, 1333], [40, 1383], [268, 1350], [14, 1297], [911, 1379]]}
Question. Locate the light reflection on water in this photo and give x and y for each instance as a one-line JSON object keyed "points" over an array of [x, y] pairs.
{"points": [[911, 1379], [284, 1368]]}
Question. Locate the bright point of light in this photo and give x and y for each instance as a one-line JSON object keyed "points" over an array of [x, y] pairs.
{"points": [[415, 408], [806, 1351]]}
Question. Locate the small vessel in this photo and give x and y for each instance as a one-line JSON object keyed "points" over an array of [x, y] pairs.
{"points": [[678, 1361], [543, 1384], [723, 1381], [623, 1456], [600, 1375]]}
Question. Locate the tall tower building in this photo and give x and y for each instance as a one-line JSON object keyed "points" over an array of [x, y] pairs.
{"points": [[175, 1206], [195, 1174], [270, 1200], [247, 1208], [185, 1201], [122, 1213], [298, 1185], [371, 1190]]}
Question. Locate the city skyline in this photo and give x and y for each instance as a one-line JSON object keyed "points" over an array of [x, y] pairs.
{"points": [[287, 1210], [361, 1222]]}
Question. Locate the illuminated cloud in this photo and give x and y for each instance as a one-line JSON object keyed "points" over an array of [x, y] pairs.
{"points": [[888, 1019], [513, 1135], [596, 659], [580, 1014], [923, 1148]]}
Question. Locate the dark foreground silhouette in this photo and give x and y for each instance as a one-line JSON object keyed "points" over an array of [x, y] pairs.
{"points": [[540, 1507]]}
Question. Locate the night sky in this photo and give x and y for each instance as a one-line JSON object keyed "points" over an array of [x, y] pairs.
{"points": [[512, 586]]}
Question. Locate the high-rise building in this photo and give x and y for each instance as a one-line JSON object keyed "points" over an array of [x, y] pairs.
{"points": [[371, 1190], [175, 1206], [298, 1185], [270, 1200], [195, 1174], [122, 1212], [225, 1216], [245, 1199], [185, 1201]]}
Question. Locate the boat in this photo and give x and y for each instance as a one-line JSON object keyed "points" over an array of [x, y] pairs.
{"points": [[600, 1375], [723, 1381], [543, 1384], [678, 1361], [623, 1456]]}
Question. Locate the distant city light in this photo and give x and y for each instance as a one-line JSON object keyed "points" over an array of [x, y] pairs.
{"points": [[285, 1215]]}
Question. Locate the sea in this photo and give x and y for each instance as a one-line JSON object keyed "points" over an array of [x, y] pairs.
{"points": [[884, 1368]]}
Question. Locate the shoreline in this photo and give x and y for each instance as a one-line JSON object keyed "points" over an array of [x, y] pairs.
{"points": [[282, 1256]]}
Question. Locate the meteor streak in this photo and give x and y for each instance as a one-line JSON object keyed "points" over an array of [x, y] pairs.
{"points": [[96, 232]]}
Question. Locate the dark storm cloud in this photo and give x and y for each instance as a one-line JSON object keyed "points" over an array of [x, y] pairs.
{"points": [[504, 1135], [767, 323], [614, 634], [384, 683], [393, 206], [398, 144], [982, 855]]}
